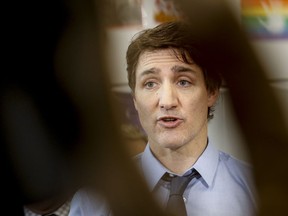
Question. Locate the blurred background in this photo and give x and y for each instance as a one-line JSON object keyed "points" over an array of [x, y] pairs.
{"points": [[266, 24]]}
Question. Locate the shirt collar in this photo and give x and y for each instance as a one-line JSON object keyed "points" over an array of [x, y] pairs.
{"points": [[153, 170], [206, 165]]}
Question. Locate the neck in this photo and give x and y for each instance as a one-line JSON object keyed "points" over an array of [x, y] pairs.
{"points": [[180, 160]]}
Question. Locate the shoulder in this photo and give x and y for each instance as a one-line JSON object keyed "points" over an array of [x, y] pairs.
{"points": [[230, 159], [234, 162], [242, 171], [85, 202]]}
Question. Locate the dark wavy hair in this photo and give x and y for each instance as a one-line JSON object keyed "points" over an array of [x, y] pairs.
{"points": [[175, 35]]}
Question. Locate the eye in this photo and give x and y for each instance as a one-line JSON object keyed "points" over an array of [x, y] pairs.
{"points": [[150, 84], [184, 83]]}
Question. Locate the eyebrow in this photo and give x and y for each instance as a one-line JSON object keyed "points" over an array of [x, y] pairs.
{"points": [[175, 69], [152, 70], [180, 69]]}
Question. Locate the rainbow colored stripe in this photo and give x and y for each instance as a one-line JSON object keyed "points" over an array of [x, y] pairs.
{"points": [[266, 19]]}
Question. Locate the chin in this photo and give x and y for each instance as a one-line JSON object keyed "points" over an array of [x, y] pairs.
{"points": [[173, 147], [171, 144]]}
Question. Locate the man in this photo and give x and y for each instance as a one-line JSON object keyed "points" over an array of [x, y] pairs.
{"points": [[174, 92]]}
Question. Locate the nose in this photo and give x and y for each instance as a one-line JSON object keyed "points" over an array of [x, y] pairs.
{"points": [[168, 97]]}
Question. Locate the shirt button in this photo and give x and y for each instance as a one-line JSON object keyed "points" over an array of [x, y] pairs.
{"points": [[171, 175], [184, 199]]}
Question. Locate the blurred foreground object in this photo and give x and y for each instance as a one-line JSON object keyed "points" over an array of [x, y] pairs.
{"points": [[257, 109], [58, 126]]}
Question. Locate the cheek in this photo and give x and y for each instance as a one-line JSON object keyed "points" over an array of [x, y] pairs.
{"points": [[197, 106], [138, 104], [144, 115], [142, 108], [144, 103]]}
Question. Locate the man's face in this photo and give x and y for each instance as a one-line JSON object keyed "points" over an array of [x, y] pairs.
{"points": [[171, 99]]}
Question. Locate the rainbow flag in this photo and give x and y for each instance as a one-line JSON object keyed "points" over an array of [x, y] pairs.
{"points": [[265, 19]]}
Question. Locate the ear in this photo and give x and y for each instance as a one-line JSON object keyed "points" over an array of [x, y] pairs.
{"points": [[212, 97]]}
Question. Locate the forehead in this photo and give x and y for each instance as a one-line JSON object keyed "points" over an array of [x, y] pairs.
{"points": [[163, 58], [158, 56]]}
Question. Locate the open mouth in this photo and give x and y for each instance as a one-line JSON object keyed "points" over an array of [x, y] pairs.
{"points": [[169, 122], [169, 119]]}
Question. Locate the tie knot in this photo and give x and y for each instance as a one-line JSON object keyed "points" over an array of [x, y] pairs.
{"points": [[179, 183], [169, 176]]}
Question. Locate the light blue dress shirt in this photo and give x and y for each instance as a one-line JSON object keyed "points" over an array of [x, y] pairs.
{"points": [[225, 188], [84, 203]]}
